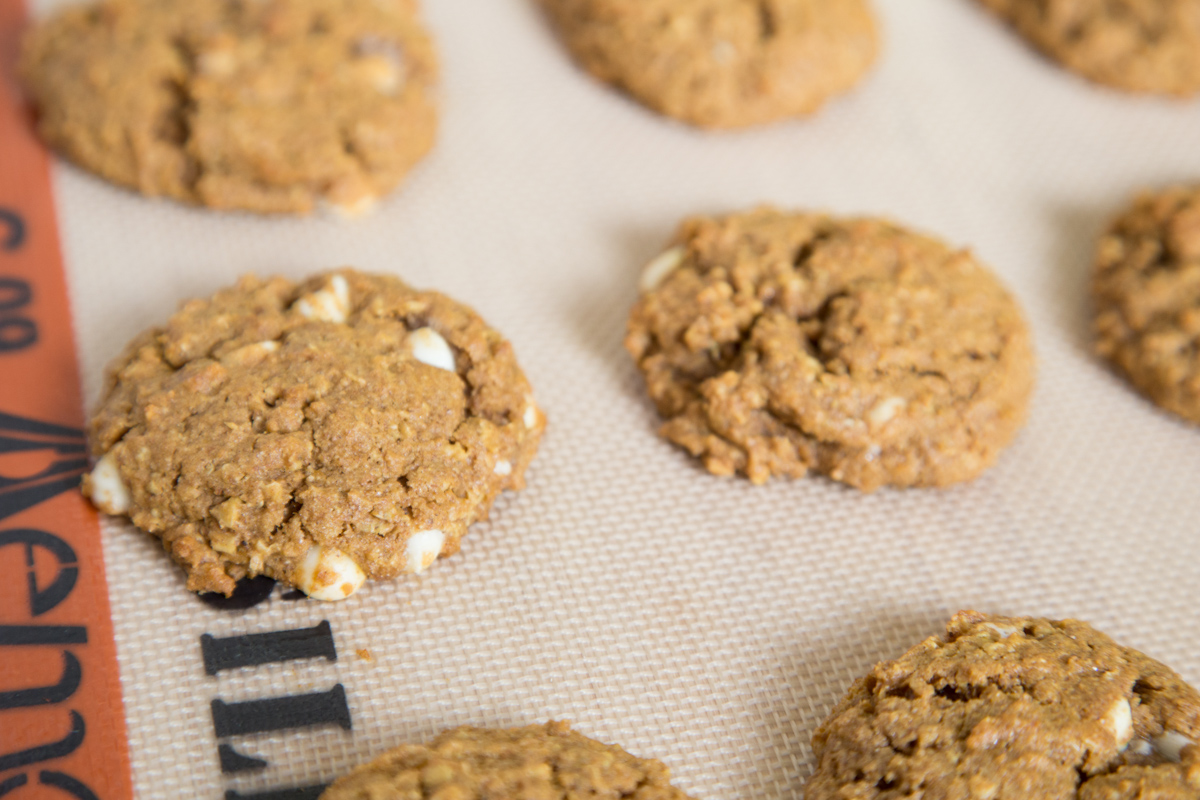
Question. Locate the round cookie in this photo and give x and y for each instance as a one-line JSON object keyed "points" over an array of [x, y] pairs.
{"points": [[774, 343], [1007, 708], [1150, 46], [722, 63], [320, 433], [1146, 298], [539, 762], [273, 106]]}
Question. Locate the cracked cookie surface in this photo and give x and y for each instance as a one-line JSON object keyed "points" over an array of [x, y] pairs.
{"points": [[320, 433], [722, 63], [1146, 297], [774, 343], [1150, 46], [538, 762], [274, 106], [1012, 707]]}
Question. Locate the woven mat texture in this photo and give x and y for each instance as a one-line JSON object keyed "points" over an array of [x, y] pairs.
{"points": [[703, 621]]}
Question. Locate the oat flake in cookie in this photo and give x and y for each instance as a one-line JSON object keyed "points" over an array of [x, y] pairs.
{"points": [[1148, 46], [539, 762], [1009, 708], [774, 343], [722, 63], [322, 433], [274, 106], [1146, 294]]}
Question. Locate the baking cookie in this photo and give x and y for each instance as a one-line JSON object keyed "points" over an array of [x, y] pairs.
{"points": [[774, 343], [1012, 709], [722, 63], [321, 433], [1146, 296], [272, 106], [540, 762], [1136, 45]]}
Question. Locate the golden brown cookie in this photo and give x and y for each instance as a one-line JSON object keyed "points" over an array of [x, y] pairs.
{"points": [[722, 63], [270, 106], [1136, 45], [1012, 709], [775, 343], [321, 433], [539, 762], [1146, 296]]}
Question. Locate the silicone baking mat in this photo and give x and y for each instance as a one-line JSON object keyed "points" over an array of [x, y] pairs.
{"points": [[703, 621]]}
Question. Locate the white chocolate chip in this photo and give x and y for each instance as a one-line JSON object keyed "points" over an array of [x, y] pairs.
{"points": [[1170, 744], [430, 348], [1003, 630], [530, 417], [381, 72], [359, 208], [331, 304], [217, 63], [109, 492], [381, 63], [503, 468], [1140, 747], [659, 268], [250, 354], [327, 574], [422, 549], [1119, 720], [883, 411]]}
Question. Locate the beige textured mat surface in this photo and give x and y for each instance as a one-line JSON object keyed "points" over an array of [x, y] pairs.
{"points": [[702, 621]]}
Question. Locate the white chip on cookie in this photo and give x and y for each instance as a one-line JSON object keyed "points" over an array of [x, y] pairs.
{"points": [[109, 492], [364, 205], [218, 62], [1119, 720], [885, 411], [423, 549], [530, 417], [328, 574], [381, 63], [1170, 745], [250, 354], [430, 348], [503, 467], [1140, 747], [331, 304], [660, 267], [1004, 631]]}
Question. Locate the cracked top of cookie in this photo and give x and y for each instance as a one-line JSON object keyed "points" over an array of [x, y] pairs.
{"points": [[271, 106], [319, 433], [1146, 292], [1135, 45], [538, 762], [722, 63], [774, 343], [1004, 707]]}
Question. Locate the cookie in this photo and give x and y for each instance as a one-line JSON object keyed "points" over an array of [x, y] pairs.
{"points": [[1146, 298], [1004, 707], [321, 433], [276, 106], [1150, 46], [774, 343], [539, 762], [722, 63]]}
